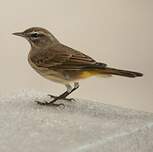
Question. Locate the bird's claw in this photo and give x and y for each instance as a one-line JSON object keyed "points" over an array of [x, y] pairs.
{"points": [[52, 96], [50, 104], [66, 99]]}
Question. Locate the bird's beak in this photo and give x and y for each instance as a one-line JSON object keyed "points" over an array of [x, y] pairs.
{"points": [[19, 34]]}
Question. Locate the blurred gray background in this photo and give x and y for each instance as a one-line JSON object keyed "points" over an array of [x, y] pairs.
{"points": [[116, 32]]}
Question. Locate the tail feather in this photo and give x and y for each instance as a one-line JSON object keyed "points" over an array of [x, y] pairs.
{"points": [[102, 68], [119, 72]]}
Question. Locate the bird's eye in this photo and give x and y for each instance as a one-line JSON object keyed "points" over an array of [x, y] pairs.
{"points": [[34, 35]]}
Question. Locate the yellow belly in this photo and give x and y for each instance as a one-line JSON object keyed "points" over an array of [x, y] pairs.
{"points": [[67, 77]]}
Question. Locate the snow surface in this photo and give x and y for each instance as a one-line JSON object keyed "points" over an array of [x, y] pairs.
{"points": [[82, 126]]}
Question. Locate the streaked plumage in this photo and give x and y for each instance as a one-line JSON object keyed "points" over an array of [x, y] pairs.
{"points": [[62, 64]]}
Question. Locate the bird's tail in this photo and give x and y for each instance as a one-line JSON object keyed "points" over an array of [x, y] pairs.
{"points": [[125, 73]]}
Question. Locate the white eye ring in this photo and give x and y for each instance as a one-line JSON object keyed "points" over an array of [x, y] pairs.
{"points": [[34, 35]]}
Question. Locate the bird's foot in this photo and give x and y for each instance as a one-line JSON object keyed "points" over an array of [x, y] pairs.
{"points": [[50, 104], [55, 98], [61, 98]]}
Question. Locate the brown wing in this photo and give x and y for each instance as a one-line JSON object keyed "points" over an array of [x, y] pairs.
{"points": [[63, 57]]}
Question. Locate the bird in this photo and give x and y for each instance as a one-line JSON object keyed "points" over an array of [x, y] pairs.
{"points": [[62, 64]]}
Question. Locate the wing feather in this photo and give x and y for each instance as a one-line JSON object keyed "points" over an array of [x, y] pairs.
{"points": [[62, 57]]}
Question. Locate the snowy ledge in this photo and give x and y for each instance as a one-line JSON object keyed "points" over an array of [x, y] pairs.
{"points": [[82, 126]]}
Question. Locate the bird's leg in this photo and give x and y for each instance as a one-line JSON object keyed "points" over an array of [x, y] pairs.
{"points": [[62, 96], [69, 91], [66, 93], [69, 88]]}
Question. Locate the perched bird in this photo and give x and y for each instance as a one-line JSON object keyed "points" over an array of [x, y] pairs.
{"points": [[60, 63]]}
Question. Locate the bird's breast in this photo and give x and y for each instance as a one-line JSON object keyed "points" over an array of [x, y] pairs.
{"points": [[48, 73]]}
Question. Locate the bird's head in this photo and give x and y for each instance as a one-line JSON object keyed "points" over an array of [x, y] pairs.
{"points": [[38, 37]]}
